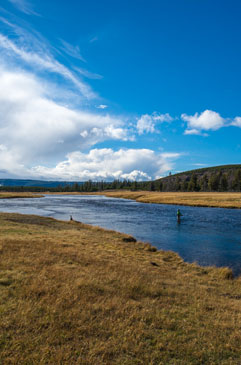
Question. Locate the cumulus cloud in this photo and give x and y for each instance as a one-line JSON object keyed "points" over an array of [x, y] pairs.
{"points": [[107, 164], [192, 131], [207, 120], [195, 132], [43, 137], [108, 132], [147, 123], [33, 127]]}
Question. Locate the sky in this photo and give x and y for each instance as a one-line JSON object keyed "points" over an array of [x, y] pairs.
{"points": [[124, 89]]}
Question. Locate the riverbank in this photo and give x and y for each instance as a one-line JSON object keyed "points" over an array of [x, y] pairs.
{"points": [[71, 293], [7, 195], [199, 199]]}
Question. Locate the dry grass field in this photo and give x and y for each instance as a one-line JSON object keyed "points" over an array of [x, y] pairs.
{"points": [[7, 195], [222, 200], [75, 294]]}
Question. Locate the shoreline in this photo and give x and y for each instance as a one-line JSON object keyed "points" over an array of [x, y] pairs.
{"points": [[236, 273], [129, 239], [229, 200]]}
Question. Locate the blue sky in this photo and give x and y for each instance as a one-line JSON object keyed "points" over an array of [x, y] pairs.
{"points": [[118, 89]]}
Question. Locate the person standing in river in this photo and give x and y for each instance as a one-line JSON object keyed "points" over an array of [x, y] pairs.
{"points": [[179, 214]]}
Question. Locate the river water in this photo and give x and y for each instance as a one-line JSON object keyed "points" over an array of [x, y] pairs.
{"points": [[208, 236]]}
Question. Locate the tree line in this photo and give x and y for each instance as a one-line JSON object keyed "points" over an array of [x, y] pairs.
{"points": [[212, 180], [209, 181], [87, 186]]}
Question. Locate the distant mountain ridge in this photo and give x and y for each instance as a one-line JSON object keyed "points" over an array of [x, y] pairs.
{"points": [[33, 183], [216, 178]]}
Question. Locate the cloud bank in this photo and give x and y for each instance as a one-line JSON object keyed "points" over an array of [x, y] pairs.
{"points": [[36, 131], [34, 127], [107, 164]]}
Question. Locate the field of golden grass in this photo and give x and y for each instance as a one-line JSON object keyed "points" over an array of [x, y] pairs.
{"points": [[221, 200], [75, 294], [7, 195]]}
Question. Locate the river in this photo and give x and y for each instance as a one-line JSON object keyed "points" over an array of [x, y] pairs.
{"points": [[208, 236]]}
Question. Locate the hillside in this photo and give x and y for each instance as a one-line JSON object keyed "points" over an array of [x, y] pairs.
{"points": [[216, 178]]}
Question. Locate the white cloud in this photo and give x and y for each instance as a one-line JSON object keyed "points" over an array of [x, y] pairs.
{"points": [[147, 123], [108, 132], [24, 6], [84, 134], [44, 62], [94, 39], [195, 132], [171, 155], [236, 122], [207, 120], [111, 132], [41, 137], [73, 51], [163, 117], [102, 106], [98, 164], [192, 131], [88, 74], [34, 128]]}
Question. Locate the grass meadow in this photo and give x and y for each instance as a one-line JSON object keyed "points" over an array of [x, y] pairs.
{"points": [[198, 199], [10, 195], [71, 293]]}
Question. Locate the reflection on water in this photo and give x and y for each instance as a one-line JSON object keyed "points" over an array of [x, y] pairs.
{"points": [[208, 236]]}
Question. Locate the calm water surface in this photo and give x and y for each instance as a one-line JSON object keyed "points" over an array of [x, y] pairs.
{"points": [[208, 236]]}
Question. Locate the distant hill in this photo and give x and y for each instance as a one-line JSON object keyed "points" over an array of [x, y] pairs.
{"points": [[216, 178], [31, 183]]}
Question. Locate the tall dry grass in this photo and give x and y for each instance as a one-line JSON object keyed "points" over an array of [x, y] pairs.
{"points": [[199, 199], [9, 195], [75, 294]]}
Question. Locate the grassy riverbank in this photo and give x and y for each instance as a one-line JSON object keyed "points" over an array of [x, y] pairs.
{"points": [[221, 200], [218, 200], [75, 294], [7, 195]]}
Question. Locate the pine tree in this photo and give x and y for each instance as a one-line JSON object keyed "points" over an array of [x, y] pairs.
{"points": [[213, 182], [236, 185], [224, 183], [204, 183]]}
